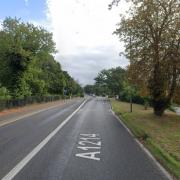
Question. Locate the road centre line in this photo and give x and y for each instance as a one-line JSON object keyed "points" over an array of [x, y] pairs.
{"points": [[11, 174]]}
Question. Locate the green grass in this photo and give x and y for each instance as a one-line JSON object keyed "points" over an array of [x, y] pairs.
{"points": [[161, 135]]}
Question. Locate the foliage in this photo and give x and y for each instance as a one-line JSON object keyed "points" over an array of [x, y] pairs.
{"points": [[89, 89], [132, 93], [27, 66], [8, 103], [72, 87], [114, 82], [151, 34], [4, 93], [129, 89], [176, 98], [107, 82], [113, 79]]}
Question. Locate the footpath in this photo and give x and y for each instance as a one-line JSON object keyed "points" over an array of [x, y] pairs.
{"points": [[177, 109], [11, 115]]}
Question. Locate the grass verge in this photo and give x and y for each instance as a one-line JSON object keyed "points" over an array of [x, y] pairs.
{"points": [[161, 135]]}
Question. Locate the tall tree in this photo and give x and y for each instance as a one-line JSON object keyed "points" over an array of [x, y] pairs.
{"points": [[20, 44], [27, 65], [111, 80], [71, 86], [89, 89], [152, 41]]}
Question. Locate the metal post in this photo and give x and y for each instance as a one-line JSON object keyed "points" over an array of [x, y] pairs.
{"points": [[131, 103]]}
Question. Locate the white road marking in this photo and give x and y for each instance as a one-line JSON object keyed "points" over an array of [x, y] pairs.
{"points": [[85, 139], [27, 158], [83, 143], [87, 148], [89, 155], [90, 135], [92, 139]]}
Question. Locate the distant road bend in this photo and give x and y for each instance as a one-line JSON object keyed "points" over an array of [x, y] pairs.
{"points": [[80, 140]]}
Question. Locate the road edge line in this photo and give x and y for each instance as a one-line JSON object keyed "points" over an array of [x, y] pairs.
{"points": [[147, 152], [18, 167]]}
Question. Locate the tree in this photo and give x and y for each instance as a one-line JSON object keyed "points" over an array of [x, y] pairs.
{"points": [[27, 66], [176, 98], [152, 42], [4, 93], [111, 81], [20, 45], [71, 86], [130, 92]]}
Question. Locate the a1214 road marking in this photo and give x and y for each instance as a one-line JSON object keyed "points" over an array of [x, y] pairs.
{"points": [[90, 145]]}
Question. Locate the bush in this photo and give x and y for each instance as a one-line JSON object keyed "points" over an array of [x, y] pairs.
{"points": [[10, 103], [137, 99], [4, 94]]}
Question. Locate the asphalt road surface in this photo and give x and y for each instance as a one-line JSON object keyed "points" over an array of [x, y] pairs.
{"points": [[90, 144]]}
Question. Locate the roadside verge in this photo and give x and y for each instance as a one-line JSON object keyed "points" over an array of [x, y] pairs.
{"points": [[138, 128]]}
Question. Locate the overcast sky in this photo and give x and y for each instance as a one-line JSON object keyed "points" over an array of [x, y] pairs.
{"points": [[82, 30]]}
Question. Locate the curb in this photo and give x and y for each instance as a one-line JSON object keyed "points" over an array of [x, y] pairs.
{"points": [[147, 152]]}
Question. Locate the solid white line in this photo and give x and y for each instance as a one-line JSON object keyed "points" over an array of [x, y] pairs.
{"points": [[10, 175], [162, 169]]}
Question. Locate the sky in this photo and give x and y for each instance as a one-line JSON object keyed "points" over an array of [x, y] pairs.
{"points": [[82, 30]]}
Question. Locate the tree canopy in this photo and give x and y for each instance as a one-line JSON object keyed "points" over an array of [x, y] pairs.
{"points": [[27, 65], [111, 80], [107, 82], [150, 31]]}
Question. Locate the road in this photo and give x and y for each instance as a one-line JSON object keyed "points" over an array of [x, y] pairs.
{"points": [[90, 145]]}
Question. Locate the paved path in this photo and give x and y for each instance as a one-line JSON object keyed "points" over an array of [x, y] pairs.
{"points": [[177, 109], [90, 144], [11, 115]]}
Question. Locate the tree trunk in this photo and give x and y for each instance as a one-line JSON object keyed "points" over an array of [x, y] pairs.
{"points": [[160, 106], [157, 88]]}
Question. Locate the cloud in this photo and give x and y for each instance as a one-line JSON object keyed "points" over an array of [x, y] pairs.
{"points": [[86, 65], [26, 2], [83, 34]]}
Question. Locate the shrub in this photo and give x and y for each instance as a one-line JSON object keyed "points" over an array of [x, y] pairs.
{"points": [[4, 94]]}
